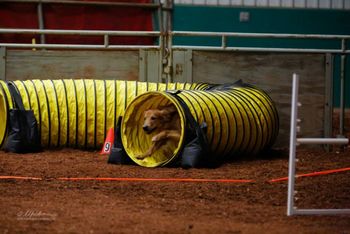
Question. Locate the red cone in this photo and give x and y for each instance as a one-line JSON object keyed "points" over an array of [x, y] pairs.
{"points": [[107, 146]]}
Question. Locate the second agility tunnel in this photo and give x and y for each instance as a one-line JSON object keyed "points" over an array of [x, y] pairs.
{"points": [[77, 113], [241, 119]]}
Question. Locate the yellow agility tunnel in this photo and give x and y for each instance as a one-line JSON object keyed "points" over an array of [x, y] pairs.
{"points": [[241, 119], [77, 113]]}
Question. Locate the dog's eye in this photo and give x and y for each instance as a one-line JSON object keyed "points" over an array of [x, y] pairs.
{"points": [[153, 118]]}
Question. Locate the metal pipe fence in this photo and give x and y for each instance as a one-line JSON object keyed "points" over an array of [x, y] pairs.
{"points": [[168, 47], [154, 6], [225, 35], [104, 34], [166, 36]]}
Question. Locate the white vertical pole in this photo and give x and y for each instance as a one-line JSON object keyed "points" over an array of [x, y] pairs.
{"points": [[292, 145]]}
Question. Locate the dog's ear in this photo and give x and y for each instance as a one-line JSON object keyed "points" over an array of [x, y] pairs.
{"points": [[169, 110]]}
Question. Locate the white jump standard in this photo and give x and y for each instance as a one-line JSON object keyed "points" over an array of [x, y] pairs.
{"points": [[294, 141]]}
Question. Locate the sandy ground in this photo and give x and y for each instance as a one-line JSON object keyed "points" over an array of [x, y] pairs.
{"points": [[55, 206]]}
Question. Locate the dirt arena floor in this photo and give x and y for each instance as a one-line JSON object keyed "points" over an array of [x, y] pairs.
{"points": [[50, 205]]}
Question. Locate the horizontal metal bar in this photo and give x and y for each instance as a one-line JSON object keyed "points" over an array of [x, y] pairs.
{"points": [[94, 3], [340, 141], [74, 46], [175, 33], [81, 32], [133, 47], [259, 35], [320, 211], [262, 49]]}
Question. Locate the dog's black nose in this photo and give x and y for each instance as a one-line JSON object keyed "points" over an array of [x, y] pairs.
{"points": [[145, 128]]}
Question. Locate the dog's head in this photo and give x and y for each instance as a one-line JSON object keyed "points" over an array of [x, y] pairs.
{"points": [[156, 118]]}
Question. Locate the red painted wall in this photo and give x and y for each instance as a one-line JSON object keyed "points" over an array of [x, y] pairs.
{"points": [[77, 17]]}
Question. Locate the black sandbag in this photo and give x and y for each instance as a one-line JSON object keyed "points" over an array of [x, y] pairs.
{"points": [[195, 151], [23, 136]]}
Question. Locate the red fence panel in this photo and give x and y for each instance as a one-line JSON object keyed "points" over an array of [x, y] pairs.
{"points": [[77, 17]]}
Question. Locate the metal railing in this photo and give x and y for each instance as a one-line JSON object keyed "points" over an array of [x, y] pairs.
{"points": [[156, 5], [105, 34], [225, 35], [166, 47]]}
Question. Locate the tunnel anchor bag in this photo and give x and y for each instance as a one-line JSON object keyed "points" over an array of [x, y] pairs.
{"points": [[23, 136], [196, 151], [118, 154]]}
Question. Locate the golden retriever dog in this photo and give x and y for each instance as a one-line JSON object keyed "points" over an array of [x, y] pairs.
{"points": [[165, 124]]}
